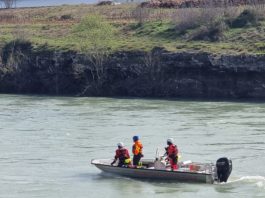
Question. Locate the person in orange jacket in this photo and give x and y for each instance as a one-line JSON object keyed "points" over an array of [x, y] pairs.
{"points": [[172, 154], [137, 150], [122, 154]]}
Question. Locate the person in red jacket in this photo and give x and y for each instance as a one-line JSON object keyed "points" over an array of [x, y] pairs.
{"points": [[122, 154], [172, 154], [137, 150]]}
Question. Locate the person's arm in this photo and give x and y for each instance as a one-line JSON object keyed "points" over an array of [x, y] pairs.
{"points": [[115, 159], [142, 151], [133, 149], [166, 153]]}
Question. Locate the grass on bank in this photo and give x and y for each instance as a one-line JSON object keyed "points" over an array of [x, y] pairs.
{"points": [[137, 29]]}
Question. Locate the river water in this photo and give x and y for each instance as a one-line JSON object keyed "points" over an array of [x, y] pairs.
{"points": [[46, 144]]}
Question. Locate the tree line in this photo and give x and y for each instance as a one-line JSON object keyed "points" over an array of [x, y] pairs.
{"points": [[8, 3]]}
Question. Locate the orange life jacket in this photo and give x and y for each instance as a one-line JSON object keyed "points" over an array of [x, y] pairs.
{"points": [[137, 148]]}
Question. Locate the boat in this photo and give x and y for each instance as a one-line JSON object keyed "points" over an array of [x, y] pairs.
{"points": [[159, 169]]}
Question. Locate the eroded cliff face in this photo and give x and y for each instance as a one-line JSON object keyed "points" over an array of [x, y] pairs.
{"points": [[156, 74]]}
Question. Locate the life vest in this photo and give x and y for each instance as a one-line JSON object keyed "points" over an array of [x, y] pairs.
{"points": [[137, 148], [172, 151], [122, 154]]}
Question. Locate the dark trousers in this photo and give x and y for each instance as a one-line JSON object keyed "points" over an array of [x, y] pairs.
{"points": [[121, 162], [136, 159]]}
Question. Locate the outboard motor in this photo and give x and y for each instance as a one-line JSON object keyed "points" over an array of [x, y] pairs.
{"points": [[224, 169]]}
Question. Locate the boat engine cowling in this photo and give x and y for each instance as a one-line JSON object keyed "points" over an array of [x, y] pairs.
{"points": [[224, 169]]}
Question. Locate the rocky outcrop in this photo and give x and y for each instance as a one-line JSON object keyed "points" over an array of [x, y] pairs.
{"points": [[138, 74]]}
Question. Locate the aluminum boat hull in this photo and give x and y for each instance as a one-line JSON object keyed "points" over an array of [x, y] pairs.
{"points": [[154, 174]]}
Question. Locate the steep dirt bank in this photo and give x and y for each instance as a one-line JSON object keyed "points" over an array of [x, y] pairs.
{"points": [[156, 74]]}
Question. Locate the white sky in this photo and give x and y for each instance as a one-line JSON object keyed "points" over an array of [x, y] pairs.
{"points": [[34, 3]]}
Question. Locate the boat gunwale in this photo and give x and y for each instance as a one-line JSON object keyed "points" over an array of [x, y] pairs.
{"points": [[154, 170]]}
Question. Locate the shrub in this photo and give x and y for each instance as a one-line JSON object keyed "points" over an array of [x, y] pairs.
{"points": [[211, 32], [203, 23], [102, 3], [141, 15], [95, 30], [15, 47], [45, 27], [246, 18], [186, 19], [95, 36], [66, 17]]}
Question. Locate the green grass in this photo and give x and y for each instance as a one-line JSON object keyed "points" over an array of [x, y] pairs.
{"points": [[45, 27]]}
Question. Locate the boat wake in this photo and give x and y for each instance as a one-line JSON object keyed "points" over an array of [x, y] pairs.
{"points": [[259, 181]]}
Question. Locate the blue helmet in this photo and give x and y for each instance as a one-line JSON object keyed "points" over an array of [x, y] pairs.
{"points": [[135, 138]]}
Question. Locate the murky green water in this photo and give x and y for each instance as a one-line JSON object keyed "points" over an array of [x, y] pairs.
{"points": [[47, 143]]}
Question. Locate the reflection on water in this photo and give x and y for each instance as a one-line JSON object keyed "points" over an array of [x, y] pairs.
{"points": [[47, 143]]}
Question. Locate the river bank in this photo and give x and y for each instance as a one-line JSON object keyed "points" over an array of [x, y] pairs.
{"points": [[160, 73], [113, 51]]}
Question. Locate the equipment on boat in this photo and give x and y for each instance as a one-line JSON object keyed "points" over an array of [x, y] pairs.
{"points": [[159, 169]]}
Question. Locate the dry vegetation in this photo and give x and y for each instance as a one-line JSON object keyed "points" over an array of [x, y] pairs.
{"points": [[198, 3], [222, 29]]}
